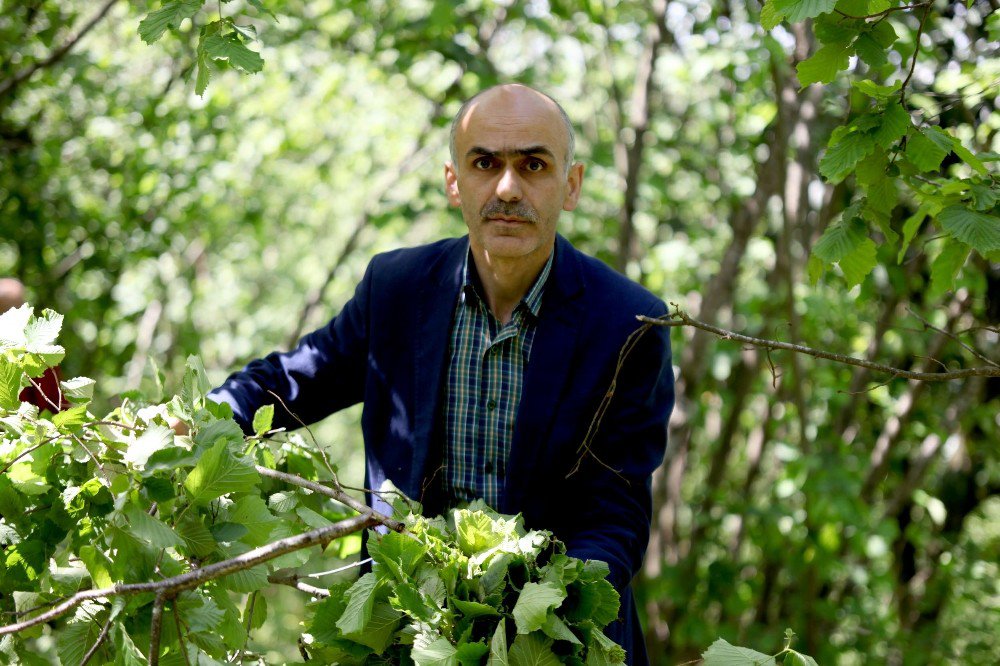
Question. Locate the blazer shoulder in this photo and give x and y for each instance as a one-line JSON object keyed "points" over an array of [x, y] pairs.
{"points": [[610, 291], [408, 260]]}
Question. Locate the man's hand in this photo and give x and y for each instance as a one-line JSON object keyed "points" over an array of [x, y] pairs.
{"points": [[178, 426]]}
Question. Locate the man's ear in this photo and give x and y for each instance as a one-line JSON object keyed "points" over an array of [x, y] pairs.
{"points": [[575, 181], [451, 185]]}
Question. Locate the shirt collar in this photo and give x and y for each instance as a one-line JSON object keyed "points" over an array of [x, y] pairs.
{"points": [[532, 300]]}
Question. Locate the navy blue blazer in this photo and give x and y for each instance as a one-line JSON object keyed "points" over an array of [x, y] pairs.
{"points": [[388, 349]]}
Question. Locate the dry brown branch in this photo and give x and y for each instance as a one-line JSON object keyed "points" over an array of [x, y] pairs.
{"points": [[156, 627], [681, 318], [192, 579]]}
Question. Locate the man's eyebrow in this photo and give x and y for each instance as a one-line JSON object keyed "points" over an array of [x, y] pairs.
{"points": [[530, 150]]}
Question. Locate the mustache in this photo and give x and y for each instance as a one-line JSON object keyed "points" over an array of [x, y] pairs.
{"points": [[518, 209]]}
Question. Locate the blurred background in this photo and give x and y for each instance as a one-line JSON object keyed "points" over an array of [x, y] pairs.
{"points": [[860, 511]]}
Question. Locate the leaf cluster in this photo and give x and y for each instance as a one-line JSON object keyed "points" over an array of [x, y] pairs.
{"points": [[92, 503], [472, 588]]}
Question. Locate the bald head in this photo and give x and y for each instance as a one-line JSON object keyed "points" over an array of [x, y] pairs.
{"points": [[11, 294], [513, 95]]}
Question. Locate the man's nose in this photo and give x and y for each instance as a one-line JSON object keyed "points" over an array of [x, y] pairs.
{"points": [[509, 185]]}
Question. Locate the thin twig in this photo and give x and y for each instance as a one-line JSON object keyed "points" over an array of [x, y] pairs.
{"points": [[55, 407], [681, 318], [319, 449], [884, 13], [334, 493], [972, 350], [12, 83], [29, 450], [595, 422], [320, 574], [100, 639], [180, 633], [916, 52], [192, 579]]}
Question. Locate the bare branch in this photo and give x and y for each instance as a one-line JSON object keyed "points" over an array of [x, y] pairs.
{"points": [[192, 579], [681, 318], [916, 52], [334, 493], [100, 639], [156, 627], [295, 581], [12, 83], [969, 348]]}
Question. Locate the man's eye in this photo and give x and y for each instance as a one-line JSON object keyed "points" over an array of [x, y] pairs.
{"points": [[535, 165], [483, 163]]}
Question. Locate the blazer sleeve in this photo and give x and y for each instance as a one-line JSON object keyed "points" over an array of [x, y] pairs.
{"points": [[614, 478], [324, 373]]}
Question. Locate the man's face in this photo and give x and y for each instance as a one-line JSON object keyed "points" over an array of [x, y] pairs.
{"points": [[510, 179]]}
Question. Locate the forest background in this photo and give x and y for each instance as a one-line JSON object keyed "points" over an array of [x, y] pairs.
{"points": [[858, 508]]}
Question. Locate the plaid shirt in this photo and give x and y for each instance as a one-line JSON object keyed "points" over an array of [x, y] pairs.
{"points": [[485, 373]]}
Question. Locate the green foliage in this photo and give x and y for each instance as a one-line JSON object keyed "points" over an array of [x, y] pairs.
{"points": [[93, 502], [461, 589]]}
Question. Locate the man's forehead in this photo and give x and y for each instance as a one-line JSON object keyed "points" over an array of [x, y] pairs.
{"points": [[513, 122]]}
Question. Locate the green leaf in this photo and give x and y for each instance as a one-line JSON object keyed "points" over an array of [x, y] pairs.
{"points": [[597, 601], [722, 653], [859, 262], [870, 51], [262, 419], [945, 268], [471, 654], [126, 651], [474, 608], [41, 332], [966, 156], [259, 6], [252, 513], [72, 417], [10, 383], [379, 630], [842, 157], [770, 17], [75, 639], [169, 15], [875, 91], [556, 629], [78, 389], [884, 35], [231, 48], [910, 228], [246, 580], [155, 438], [532, 650], [498, 646], [98, 565], [204, 73], [793, 658], [895, 123], [924, 153], [800, 10], [815, 268], [839, 240], [219, 472], [197, 538], [151, 530], [823, 66], [439, 652], [361, 599], [974, 228], [534, 604]]}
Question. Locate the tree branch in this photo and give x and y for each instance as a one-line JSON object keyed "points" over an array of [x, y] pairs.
{"points": [[155, 628], [11, 84], [100, 639], [334, 493], [192, 579], [681, 318]]}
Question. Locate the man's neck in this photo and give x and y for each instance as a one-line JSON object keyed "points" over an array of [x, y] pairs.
{"points": [[506, 281]]}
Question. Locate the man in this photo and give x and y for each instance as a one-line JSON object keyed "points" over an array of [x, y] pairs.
{"points": [[44, 391], [481, 361]]}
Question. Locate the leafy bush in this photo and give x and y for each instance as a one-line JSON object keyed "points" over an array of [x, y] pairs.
{"points": [[475, 585]]}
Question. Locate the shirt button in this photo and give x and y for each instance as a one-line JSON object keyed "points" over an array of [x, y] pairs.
{"points": [[488, 467], [491, 405]]}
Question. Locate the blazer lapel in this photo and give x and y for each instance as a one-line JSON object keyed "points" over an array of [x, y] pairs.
{"points": [[434, 310], [547, 372]]}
